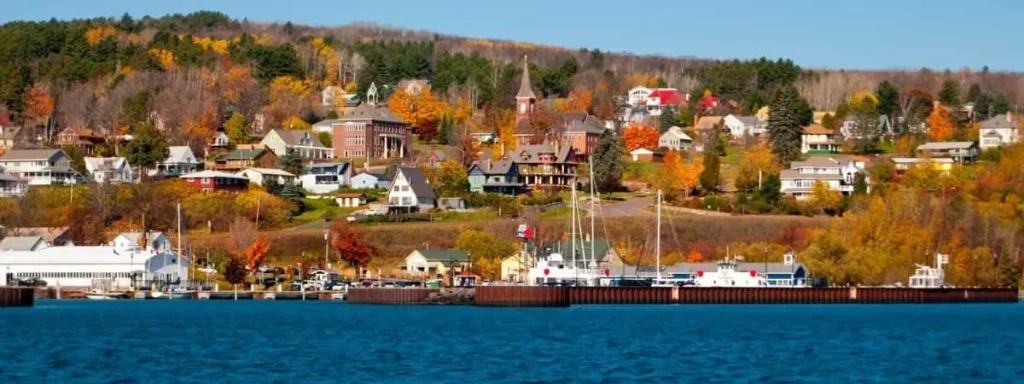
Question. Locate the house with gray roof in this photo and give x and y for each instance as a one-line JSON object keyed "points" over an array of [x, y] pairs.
{"points": [[368, 180], [436, 263], [40, 166], [741, 126], [546, 166], [22, 243], [114, 170], [1000, 130], [303, 142], [839, 174], [495, 176], [180, 160], [12, 186], [245, 156], [959, 151], [324, 178], [411, 191]]}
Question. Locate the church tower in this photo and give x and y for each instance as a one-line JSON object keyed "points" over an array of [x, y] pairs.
{"points": [[525, 99]]}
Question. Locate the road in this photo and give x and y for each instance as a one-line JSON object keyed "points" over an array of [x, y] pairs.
{"points": [[628, 208]]}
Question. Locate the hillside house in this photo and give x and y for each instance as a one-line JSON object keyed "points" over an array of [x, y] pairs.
{"points": [[959, 151], [114, 170], [495, 176], [262, 176], [370, 181], [245, 156], [411, 192], [818, 139], [1000, 130], [546, 167], [741, 126], [675, 139], [436, 263], [350, 200], [40, 166], [211, 181], [838, 173], [84, 139], [155, 241], [325, 177], [12, 186], [305, 143], [370, 130], [180, 160]]}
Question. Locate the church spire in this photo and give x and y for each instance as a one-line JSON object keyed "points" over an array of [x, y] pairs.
{"points": [[525, 89]]}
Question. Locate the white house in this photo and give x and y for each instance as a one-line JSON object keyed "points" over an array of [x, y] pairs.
{"points": [[675, 139], [180, 160], [350, 200], [645, 155], [220, 140], [325, 177], [23, 243], [370, 181], [114, 170], [74, 266], [1000, 130], [740, 126], [839, 174], [325, 126], [816, 138], [155, 241], [638, 96], [329, 96], [410, 191], [960, 151], [259, 176], [39, 166], [282, 141], [12, 186]]}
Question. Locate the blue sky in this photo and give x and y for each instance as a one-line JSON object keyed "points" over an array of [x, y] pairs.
{"points": [[857, 34]]}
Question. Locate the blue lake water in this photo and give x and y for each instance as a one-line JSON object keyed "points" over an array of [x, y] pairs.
{"points": [[302, 342]]}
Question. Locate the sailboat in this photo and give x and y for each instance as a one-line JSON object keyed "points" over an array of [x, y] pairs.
{"points": [[576, 269], [179, 292]]}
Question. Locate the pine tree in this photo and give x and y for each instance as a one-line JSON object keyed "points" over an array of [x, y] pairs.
{"points": [[147, 147], [667, 119], [888, 98], [608, 162], [291, 162], [710, 179], [950, 93], [784, 125]]}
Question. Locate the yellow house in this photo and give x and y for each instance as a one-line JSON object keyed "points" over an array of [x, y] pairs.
{"points": [[515, 266], [436, 264]]}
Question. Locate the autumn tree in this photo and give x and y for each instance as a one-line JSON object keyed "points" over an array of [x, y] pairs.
{"points": [[640, 136], [422, 111], [449, 179], [824, 197], [38, 104], [346, 240], [235, 272], [486, 251], [710, 178], [757, 163], [579, 101], [940, 124], [677, 175], [236, 128]]}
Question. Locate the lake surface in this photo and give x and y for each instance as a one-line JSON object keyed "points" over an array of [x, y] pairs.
{"points": [[303, 342]]}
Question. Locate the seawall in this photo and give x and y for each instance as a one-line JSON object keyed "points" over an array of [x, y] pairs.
{"points": [[16, 297]]}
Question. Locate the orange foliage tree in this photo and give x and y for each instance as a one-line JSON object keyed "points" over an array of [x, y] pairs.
{"points": [[677, 175], [640, 136], [38, 103], [95, 35], [256, 253], [940, 124], [694, 257], [346, 240], [422, 111]]}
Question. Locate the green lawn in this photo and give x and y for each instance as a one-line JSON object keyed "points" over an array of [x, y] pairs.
{"points": [[316, 209]]}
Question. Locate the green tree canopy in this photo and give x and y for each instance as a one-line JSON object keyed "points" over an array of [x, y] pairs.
{"points": [[784, 125], [607, 162]]}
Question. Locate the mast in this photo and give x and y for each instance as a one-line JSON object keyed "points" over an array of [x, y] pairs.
{"points": [[179, 245], [572, 225], [593, 196], [657, 242]]}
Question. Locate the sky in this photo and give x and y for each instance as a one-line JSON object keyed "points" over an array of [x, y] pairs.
{"points": [[857, 34]]}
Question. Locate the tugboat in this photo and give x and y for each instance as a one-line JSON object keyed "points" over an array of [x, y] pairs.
{"points": [[727, 276]]}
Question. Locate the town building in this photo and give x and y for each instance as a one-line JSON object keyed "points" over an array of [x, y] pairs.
{"points": [[959, 151], [245, 156], [495, 176], [515, 267], [324, 126], [113, 170], [307, 145], [350, 200], [644, 155], [818, 139], [411, 192], [217, 181], [839, 174], [12, 186], [325, 177], [85, 267], [435, 158], [583, 136], [1000, 130], [675, 139], [39, 166], [544, 166], [22, 243], [370, 131], [262, 176], [741, 126], [370, 181], [180, 160], [220, 140], [84, 139], [436, 263], [155, 241]]}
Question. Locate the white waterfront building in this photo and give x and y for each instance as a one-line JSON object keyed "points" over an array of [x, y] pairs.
{"points": [[74, 266]]}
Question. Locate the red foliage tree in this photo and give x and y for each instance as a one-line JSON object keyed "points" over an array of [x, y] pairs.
{"points": [[345, 239]]}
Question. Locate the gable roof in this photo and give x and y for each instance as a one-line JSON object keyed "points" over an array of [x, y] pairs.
{"points": [[439, 154], [368, 174], [534, 151], [1000, 121], [588, 125], [243, 154], [31, 154], [293, 136], [816, 129], [417, 181], [677, 133], [366, 111], [668, 96], [749, 120], [708, 122], [493, 167], [93, 164], [325, 123], [20, 243], [444, 255], [50, 234], [816, 162], [938, 146], [177, 154]]}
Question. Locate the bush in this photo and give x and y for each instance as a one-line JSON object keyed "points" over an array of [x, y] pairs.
{"points": [[991, 155], [712, 202], [541, 199]]}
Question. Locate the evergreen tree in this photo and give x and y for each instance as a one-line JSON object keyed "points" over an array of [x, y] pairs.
{"points": [[784, 125], [272, 186], [710, 179], [147, 147], [860, 184], [888, 98], [608, 162], [445, 128], [667, 119], [973, 93], [771, 190], [950, 93], [291, 162]]}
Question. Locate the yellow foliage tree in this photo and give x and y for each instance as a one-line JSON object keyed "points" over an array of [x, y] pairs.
{"points": [[676, 175], [295, 122], [95, 35], [824, 197], [164, 58], [506, 122]]}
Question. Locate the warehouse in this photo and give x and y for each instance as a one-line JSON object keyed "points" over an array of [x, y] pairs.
{"points": [[74, 266]]}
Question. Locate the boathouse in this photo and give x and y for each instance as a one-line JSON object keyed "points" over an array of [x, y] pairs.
{"points": [[74, 266]]}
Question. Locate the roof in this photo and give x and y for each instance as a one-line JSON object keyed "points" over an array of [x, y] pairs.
{"points": [[439, 154], [444, 256], [418, 182], [212, 174], [585, 126], [269, 171], [133, 237], [82, 132], [678, 133], [708, 122], [741, 267], [30, 154], [98, 163], [534, 151], [749, 120], [366, 111], [493, 167], [6, 177], [525, 88], [378, 176], [918, 160], [816, 162], [325, 123], [50, 234], [243, 154], [668, 96], [20, 243], [523, 127], [76, 255], [1000, 121], [792, 174], [601, 248], [939, 146], [816, 129], [176, 154], [344, 195], [293, 136]]}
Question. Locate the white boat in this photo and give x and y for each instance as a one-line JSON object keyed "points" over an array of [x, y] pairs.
{"points": [[99, 294], [728, 276], [174, 294]]}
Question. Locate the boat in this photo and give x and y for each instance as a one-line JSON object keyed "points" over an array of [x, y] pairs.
{"points": [[173, 294], [926, 277], [728, 276], [99, 294]]}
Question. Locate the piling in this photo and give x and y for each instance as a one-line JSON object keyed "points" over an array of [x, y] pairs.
{"points": [[17, 297], [523, 296], [404, 296]]}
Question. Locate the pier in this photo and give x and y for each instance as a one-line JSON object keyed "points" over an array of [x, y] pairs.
{"points": [[16, 297]]}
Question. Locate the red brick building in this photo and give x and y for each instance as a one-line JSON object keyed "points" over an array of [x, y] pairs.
{"points": [[370, 131], [217, 181]]}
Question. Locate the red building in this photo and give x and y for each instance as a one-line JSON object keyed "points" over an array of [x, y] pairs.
{"points": [[370, 131], [217, 181]]}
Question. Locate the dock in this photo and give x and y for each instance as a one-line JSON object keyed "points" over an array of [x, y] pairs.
{"points": [[16, 297]]}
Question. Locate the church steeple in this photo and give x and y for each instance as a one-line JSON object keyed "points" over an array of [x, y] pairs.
{"points": [[525, 99]]}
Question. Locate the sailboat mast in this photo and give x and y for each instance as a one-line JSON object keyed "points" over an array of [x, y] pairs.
{"points": [[593, 196], [179, 242], [657, 241], [572, 225]]}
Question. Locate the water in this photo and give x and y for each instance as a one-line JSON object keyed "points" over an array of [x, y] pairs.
{"points": [[303, 342]]}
